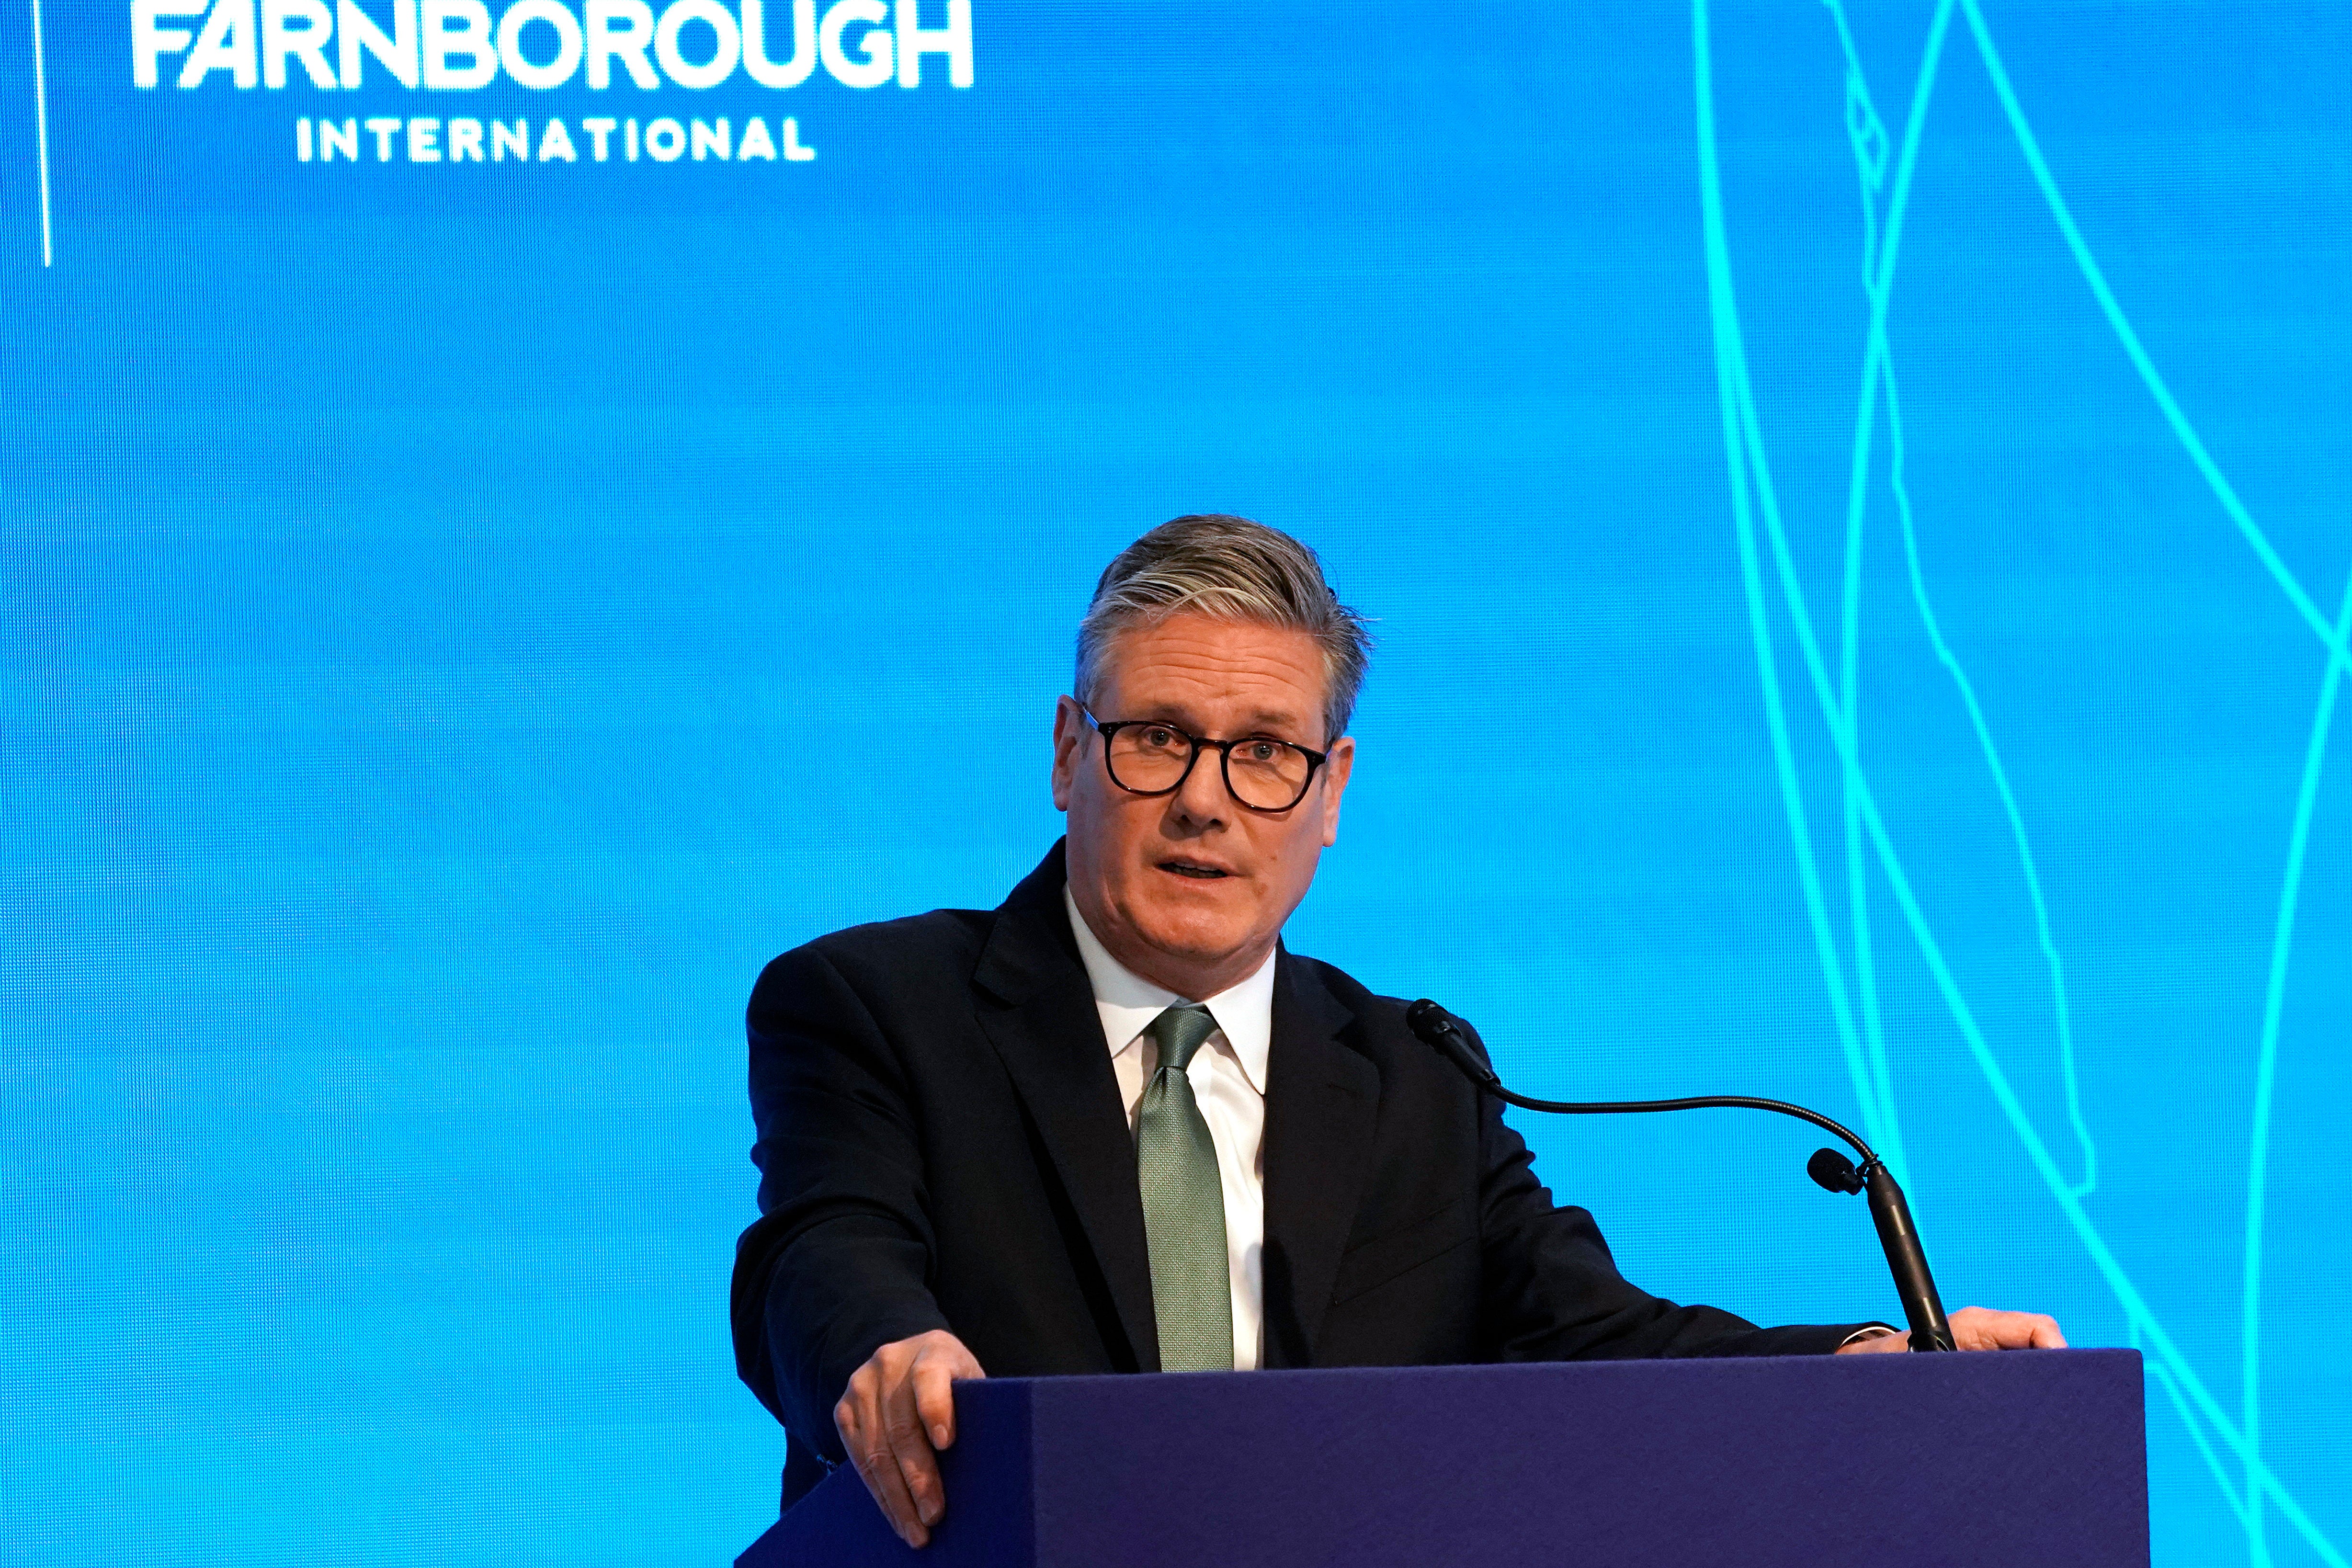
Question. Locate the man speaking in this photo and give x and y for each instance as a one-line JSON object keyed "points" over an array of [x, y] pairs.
{"points": [[1114, 1125]]}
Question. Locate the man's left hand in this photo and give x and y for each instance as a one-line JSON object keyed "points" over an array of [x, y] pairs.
{"points": [[1977, 1329]]}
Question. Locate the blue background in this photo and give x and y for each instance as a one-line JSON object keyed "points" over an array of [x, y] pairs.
{"points": [[460, 621]]}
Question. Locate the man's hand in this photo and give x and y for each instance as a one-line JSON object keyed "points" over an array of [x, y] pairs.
{"points": [[1977, 1329], [893, 1418]]}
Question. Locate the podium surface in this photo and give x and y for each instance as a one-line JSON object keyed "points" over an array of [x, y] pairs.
{"points": [[2018, 1458]]}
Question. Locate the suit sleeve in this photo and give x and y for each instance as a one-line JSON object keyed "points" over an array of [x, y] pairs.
{"points": [[839, 1261], [1552, 1291]]}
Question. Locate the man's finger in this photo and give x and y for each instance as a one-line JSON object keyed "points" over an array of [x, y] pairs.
{"points": [[1979, 1329], [857, 1421], [887, 1480], [918, 1468], [887, 1417], [934, 1383], [2021, 1331]]}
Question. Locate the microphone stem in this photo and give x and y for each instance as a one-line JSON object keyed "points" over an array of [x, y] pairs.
{"points": [[1890, 1212], [1906, 1259], [1695, 1103]]}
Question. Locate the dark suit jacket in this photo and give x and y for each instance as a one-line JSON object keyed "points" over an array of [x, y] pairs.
{"points": [[941, 1145]]}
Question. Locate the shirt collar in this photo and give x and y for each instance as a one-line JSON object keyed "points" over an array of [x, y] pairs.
{"points": [[1128, 1002]]}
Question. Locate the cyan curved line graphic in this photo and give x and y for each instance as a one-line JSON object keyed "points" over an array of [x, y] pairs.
{"points": [[2337, 637], [1879, 251], [2186, 433], [1749, 472], [1749, 467], [41, 133], [1867, 134], [2161, 1376], [2258, 1141], [2073, 1089], [2250, 1509]]}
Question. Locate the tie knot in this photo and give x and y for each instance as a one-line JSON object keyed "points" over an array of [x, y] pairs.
{"points": [[1179, 1032]]}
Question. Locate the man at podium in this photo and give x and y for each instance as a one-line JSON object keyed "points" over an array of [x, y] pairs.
{"points": [[1114, 1125]]}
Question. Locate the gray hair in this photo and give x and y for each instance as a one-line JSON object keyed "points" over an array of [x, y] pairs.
{"points": [[1230, 569]]}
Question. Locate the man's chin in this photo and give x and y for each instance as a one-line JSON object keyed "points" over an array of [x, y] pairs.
{"points": [[1192, 939]]}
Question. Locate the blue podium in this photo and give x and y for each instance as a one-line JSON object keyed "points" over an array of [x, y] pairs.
{"points": [[2017, 1459]]}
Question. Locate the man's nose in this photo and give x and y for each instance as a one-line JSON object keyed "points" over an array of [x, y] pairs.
{"points": [[1201, 799]]}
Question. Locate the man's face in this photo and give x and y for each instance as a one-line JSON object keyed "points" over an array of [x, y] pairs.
{"points": [[1190, 890]]}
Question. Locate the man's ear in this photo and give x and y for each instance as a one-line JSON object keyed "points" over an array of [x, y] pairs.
{"points": [[1069, 738], [1340, 767]]}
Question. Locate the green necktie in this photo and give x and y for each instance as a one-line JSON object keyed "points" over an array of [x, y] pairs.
{"points": [[1183, 1204]]}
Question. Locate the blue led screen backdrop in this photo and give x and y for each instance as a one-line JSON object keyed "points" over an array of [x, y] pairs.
{"points": [[1855, 499]]}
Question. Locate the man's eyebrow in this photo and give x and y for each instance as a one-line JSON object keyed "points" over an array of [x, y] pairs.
{"points": [[1275, 718], [1271, 721], [1174, 713]]}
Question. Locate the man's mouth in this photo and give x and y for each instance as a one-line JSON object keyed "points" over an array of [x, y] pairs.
{"points": [[1194, 868]]}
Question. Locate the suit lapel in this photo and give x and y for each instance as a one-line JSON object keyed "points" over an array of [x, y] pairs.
{"points": [[1039, 1012], [1322, 1101]]}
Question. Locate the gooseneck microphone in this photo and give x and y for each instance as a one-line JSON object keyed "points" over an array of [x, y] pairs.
{"points": [[1832, 1171]]}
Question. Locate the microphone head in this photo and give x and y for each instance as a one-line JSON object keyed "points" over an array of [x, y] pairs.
{"points": [[1442, 1031], [1834, 1171]]}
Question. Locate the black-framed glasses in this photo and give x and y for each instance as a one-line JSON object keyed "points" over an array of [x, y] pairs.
{"points": [[1146, 756]]}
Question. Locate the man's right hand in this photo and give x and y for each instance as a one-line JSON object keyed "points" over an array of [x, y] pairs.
{"points": [[895, 1417]]}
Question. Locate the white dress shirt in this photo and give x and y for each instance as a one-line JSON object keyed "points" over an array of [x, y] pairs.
{"points": [[1228, 1078]]}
